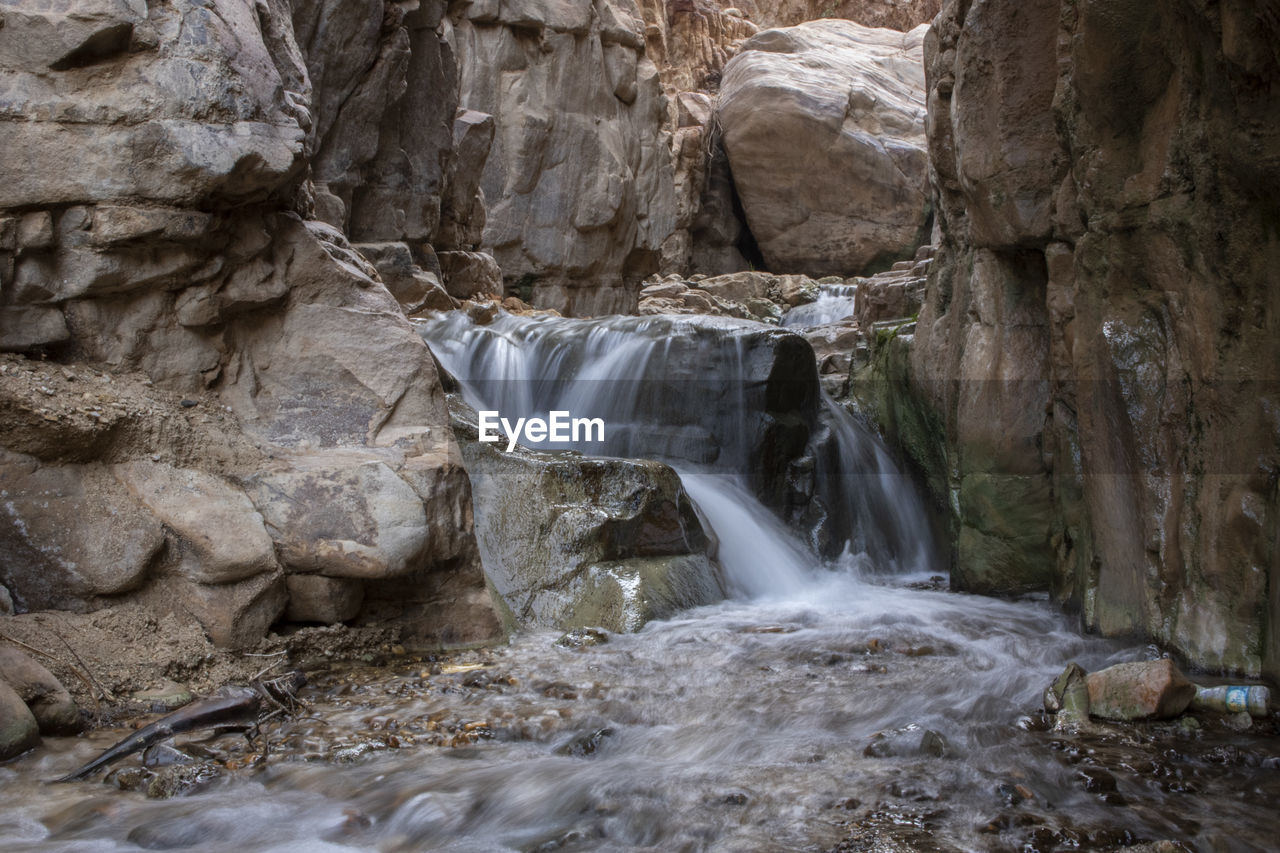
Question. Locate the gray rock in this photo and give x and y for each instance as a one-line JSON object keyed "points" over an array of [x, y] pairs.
{"points": [[342, 515], [50, 703], [572, 542], [579, 180], [18, 729], [220, 535], [315, 598], [70, 533]]}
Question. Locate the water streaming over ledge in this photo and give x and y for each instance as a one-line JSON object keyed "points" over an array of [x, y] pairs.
{"points": [[818, 708], [835, 302], [693, 392]]}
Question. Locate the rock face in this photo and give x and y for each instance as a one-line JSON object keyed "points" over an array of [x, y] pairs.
{"points": [[1098, 347], [579, 182], [570, 541], [176, 217], [824, 129]]}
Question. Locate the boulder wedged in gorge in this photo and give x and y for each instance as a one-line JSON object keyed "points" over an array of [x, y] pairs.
{"points": [[177, 209], [578, 184], [570, 541], [823, 125], [1097, 352]]}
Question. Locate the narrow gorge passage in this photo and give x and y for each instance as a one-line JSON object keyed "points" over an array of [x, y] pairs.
{"points": [[847, 701]]}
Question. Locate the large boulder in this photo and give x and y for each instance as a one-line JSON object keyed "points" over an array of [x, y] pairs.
{"points": [[70, 533], [824, 129], [49, 702], [342, 515], [570, 541], [1141, 690], [18, 728]]}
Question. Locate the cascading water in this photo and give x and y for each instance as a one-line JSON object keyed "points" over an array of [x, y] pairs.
{"points": [[698, 393], [818, 710], [835, 302]]}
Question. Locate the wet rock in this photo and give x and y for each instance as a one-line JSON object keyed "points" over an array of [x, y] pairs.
{"points": [[1068, 695], [1139, 691], [571, 541], [6, 602], [165, 755], [19, 730], [50, 703], [585, 744], [824, 128], [910, 740], [580, 638]]}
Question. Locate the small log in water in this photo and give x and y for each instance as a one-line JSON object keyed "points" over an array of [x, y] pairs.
{"points": [[231, 705]]}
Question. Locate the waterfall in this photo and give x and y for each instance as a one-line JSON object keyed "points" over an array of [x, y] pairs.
{"points": [[835, 302], [717, 399]]}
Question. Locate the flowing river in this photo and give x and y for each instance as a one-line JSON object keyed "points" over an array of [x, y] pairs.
{"points": [[839, 703]]}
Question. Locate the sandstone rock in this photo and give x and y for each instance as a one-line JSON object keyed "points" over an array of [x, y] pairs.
{"points": [[70, 533], [80, 143], [65, 34], [315, 598], [739, 286], [18, 729], [342, 515], [578, 183], [570, 541], [468, 275], [1068, 191], [412, 286], [220, 535], [44, 695], [462, 207], [1139, 691], [234, 615], [342, 366], [824, 130]]}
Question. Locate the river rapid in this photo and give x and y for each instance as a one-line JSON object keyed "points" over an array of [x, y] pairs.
{"points": [[849, 703]]}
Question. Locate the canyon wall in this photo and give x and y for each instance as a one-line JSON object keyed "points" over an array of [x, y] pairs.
{"points": [[1096, 360], [235, 418]]}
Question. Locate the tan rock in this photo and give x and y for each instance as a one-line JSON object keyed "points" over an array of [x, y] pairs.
{"points": [[220, 535], [1139, 691], [824, 129], [468, 275], [44, 695], [234, 615]]}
